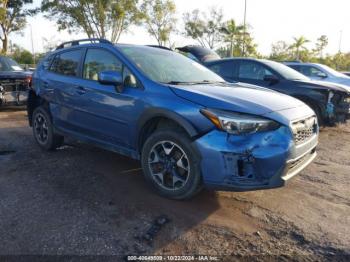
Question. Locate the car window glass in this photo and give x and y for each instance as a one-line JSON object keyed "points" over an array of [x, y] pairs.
{"points": [[315, 72], [7, 64], [167, 66], [223, 69], [98, 60], [67, 63], [191, 56], [255, 71], [47, 62]]}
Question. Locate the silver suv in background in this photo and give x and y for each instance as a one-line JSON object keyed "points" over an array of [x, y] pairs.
{"points": [[320, 72]]}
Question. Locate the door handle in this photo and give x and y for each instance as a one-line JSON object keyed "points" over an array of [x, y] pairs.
{"points": [[81, 90], [45, 84]]}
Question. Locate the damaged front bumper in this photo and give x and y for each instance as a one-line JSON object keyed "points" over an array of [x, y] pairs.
{"points": [[338, 108], [257, 161], [13, 91]]}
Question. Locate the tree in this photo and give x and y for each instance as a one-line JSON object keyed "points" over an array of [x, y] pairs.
{"points": [[97, 18], [231, 32], [159, 19], [280, 51], [321, 44], [203, 27], [299, 45], [22, 56], [13, 18]]}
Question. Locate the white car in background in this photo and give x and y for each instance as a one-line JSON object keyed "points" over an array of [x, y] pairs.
{"points": [[320, 72]]}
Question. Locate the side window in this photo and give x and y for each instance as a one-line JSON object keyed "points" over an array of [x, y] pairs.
{"points": [[47, 62], [98, 60], [224, 69], [315, 72], [305, 70], [295, 67], [67, 63], [253, 71]]}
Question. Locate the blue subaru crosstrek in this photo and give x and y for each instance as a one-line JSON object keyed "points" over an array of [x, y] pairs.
{"points": [[187, 125]]}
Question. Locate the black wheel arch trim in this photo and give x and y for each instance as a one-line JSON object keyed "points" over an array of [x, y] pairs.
{"points": [[153, 113]]}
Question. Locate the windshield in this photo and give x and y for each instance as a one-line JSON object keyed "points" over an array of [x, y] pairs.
{"points": [[285, 71], [7, 64], [332, 71], [168, 67]]}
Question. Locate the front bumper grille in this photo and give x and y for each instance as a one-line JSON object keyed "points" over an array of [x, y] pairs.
{"points": [[304, 129], [294, 166]]}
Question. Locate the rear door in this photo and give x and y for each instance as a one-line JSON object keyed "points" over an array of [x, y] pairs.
{"points": [[60, 84]]}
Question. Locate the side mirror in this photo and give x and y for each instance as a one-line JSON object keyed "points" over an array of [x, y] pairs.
{"points": [[272, 79], [111, 78]]}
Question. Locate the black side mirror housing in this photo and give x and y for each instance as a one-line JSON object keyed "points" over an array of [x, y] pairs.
{"points": [[111, 78], [272, 79]]}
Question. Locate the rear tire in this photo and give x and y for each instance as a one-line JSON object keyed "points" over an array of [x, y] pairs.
{"points": [[171, 165], [43, 130]]}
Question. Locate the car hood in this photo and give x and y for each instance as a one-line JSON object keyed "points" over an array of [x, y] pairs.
{"points": [[15, 74], [237, 97], [326, 85]]}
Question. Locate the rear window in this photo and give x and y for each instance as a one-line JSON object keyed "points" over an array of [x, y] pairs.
{"points": [[67, 63]]}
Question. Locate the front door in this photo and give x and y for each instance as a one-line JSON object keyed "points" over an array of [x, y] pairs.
{"points": [[105, 113]]}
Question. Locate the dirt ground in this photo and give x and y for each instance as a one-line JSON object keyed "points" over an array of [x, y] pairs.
{"points": [[80, 200]]}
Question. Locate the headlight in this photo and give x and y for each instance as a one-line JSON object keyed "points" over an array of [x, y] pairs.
{"points": [[236, 123]]}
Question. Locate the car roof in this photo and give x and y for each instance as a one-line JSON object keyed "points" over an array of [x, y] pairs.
{"points": [[63, 49], [301, 63]]}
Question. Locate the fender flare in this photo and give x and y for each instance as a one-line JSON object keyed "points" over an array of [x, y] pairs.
{"points": [[152, 113]]}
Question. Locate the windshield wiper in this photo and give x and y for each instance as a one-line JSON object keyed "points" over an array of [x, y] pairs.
{"points": [[178, 83], [192, 83]]}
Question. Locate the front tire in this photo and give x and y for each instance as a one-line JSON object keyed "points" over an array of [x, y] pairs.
{"points": [[171, 164], [43, 130]]}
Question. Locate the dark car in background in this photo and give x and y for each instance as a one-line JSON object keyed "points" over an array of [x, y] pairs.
{"points": [[320, 72], [331, 102], [14, 82]]}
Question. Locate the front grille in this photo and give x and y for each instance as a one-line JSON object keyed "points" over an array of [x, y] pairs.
{"points": [[304, 129]]}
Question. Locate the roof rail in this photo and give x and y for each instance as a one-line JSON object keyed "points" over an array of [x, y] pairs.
{"points": [[78, 42]]}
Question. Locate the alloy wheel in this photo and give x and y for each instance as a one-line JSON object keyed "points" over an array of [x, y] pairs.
{"points": [[169, 165]]}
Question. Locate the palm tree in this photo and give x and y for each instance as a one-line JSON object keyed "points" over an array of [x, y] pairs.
{"points": [[231, 31], [299, 44]]}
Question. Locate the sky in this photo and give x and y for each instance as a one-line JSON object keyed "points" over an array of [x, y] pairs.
{"points": [[270, 21]]}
